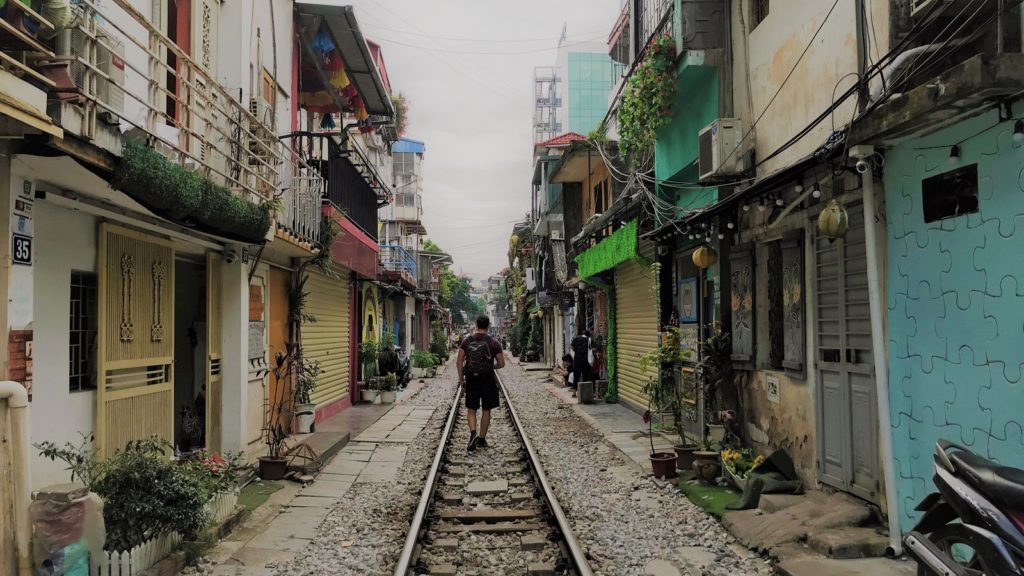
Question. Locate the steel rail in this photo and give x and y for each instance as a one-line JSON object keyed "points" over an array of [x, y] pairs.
{"points": [[576, 554], [402, 568]]}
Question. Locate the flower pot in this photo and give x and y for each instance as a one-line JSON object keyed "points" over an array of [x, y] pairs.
{"points": [[586, 392], [716, 432], [305, 415], [739, 483], [273, 468], [419, 372], [707, 465], [663, 464], [387, 397], [685, 456], [368, 395]]}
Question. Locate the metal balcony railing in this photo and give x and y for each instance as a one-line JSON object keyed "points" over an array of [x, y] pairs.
{"points": [[395, 258], [302, 201], [128, 73]]}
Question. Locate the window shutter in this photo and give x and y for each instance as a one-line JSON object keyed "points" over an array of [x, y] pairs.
{"points": [[793, 304], [741, 264]]}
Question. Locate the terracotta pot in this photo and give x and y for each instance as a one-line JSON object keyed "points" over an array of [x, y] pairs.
{"points": [[273, 468], [685, 456], [707, 466], [663, 464]]}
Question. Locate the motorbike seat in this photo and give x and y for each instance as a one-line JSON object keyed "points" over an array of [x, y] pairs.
{"points": [[1004, 485]]}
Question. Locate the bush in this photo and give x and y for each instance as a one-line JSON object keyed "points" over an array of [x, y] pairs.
{"points": [[144, 492], [424, 359]]}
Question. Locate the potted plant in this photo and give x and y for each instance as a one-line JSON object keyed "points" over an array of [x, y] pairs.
{"points": [[387, 358], [421, 362], [388, 385], [707, 464], [739, 464], [305, 410], [274, 465], [715, 369], [663, 394]]}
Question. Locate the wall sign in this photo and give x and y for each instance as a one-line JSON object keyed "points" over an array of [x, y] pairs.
{"points": [[772, 388], [21, 249]]}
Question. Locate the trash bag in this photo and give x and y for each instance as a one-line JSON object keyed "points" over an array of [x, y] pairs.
{"points": [[68, 529]]}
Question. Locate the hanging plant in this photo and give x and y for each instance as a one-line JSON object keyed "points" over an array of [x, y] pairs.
{"points": [[401, 105], [649, 98]]}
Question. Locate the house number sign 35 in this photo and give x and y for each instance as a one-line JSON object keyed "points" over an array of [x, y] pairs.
{"points": [[21, 249]]}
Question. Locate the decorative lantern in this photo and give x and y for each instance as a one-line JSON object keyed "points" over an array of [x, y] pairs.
{"points": [[540, 313], [705, 257], [514, 240], [833, 222]]}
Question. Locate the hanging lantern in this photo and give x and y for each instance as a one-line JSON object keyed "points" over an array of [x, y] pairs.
{"points": [[540, 313], [514, 240], [833, 222], [705, 257]]}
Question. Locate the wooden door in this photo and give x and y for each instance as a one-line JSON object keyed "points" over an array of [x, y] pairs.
{"points": [[847, 409], [135, 392], [214, 357]]}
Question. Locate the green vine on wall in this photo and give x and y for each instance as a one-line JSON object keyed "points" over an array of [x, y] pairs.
{"points": [[612, 393], [610, 252], [649, 98]]}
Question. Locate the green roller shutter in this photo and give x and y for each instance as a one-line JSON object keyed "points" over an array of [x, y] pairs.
{"points": [[636, 311], [327, 340]]}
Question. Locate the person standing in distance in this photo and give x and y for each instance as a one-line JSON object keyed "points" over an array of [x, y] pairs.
{"points": [[479, 356]]}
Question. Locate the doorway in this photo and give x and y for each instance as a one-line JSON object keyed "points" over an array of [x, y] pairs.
{"points": [[847, 413], [190, 353]]}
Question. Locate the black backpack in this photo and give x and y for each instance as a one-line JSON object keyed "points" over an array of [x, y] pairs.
{"points": [[479, 359]]}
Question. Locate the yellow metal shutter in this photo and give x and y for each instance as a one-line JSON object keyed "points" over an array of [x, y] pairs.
{"points": [[636, 325], [327, 339]]}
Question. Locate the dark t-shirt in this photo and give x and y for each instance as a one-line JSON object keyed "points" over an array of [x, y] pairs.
{"points": [[493, 342]]}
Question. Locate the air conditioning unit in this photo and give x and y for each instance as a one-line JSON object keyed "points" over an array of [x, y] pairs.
{"points": [[718, 149], [109, 61]]}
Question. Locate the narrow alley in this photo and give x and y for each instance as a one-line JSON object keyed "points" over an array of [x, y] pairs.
{"points": [[533, 288]]}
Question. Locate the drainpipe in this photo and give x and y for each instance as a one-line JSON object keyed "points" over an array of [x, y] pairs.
{"points": [[17, 405], [863, 153]]}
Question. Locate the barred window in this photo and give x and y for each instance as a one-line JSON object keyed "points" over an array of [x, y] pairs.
{"points": [[82, 348]]}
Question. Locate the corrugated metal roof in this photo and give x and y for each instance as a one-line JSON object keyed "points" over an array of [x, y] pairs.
{"points": [[407, 145]]}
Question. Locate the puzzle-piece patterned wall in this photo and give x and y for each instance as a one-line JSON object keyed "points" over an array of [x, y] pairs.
{"points": [[956, 306]]}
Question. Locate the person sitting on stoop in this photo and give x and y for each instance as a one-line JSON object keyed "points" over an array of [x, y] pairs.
{"points": [[479, 356], [564, 370]]}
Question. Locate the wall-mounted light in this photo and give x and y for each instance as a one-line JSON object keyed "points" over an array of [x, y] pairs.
{"points": [[798, 188], [779, 201], [1018, 131], [746, 207], [954, 155], [816, 191], [730, 225]]}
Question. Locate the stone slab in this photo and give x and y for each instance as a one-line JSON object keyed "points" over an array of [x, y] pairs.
{"points": [[696, 559], [818, 566], [849, 543], [307, 501], [488, 515], [533, 542], [483, 487], [501, 527], [661, 568], [818, 512], [444, 570], [771, 503], [447, 543], [350, 467], [540, 569]]}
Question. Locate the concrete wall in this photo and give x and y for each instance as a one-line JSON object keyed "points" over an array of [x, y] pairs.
{"points": [[764, 57], [956, 306], [58, 415]]}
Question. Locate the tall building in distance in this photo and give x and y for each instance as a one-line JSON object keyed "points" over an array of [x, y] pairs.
{"points": [[572, 95]]}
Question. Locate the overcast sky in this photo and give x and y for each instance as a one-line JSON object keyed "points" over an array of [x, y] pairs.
{"points": [[466, 67]]}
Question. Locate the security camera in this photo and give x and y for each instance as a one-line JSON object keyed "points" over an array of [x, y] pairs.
{"points": [[862, 166], [230, 256]]}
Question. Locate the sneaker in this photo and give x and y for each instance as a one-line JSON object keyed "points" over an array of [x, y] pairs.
{"points": [[481, 442], [473, 442]]}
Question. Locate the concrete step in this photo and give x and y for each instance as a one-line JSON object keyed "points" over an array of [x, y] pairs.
{"points": [[849, 543], [816, 513], [814, 565]]}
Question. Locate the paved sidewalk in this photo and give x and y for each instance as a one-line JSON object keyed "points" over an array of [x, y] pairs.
{"points": [[283, 527]]}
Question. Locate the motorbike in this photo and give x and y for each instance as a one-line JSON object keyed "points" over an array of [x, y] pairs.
{"points": [[973, 525]]}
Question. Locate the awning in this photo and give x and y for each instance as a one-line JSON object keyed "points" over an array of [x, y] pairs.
{"points": [[44, 125], [338, 24]]}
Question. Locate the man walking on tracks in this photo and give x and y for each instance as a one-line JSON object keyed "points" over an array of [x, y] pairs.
{"points": [[479, 355]]}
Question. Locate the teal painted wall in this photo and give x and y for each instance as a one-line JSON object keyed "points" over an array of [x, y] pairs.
{"points": [[591, 77], [675, 151], [955, 291]]}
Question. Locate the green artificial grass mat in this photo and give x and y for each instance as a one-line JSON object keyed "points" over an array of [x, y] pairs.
{"points": [[256, 494], [712, 499]]}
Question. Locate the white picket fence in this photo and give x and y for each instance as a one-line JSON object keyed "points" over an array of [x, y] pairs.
{"points": [[144, 556]]}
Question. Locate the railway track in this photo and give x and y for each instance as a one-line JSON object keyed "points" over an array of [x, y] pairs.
{"points": [[489, 512]]}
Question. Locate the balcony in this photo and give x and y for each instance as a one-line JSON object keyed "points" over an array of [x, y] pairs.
{"points": [[114, 73], [302, 204], [398, 264], [407, 207]]}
